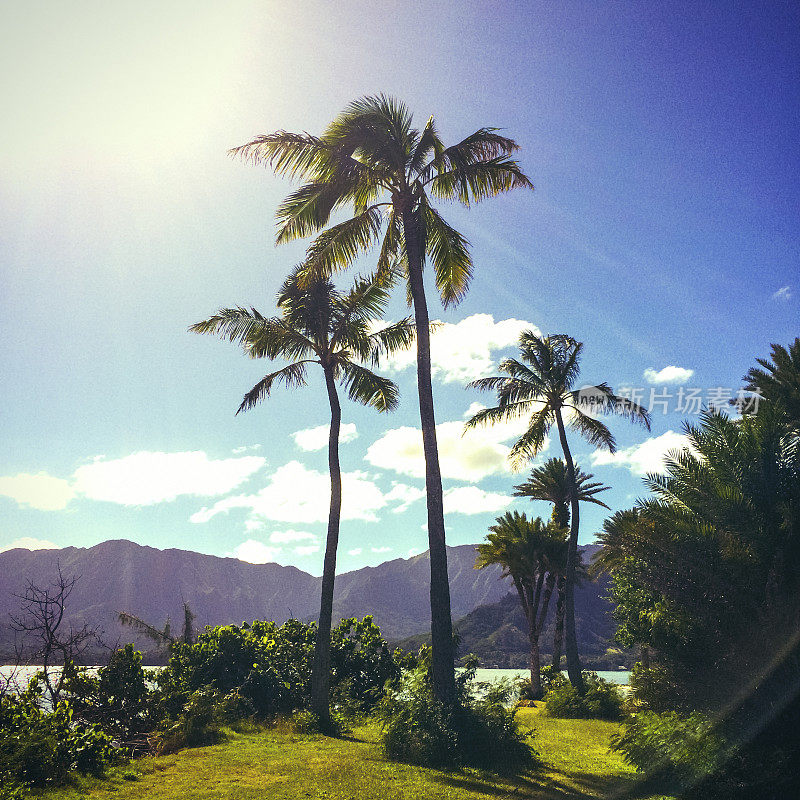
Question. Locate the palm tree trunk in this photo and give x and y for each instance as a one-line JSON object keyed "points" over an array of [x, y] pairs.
{"points": [[570, 637], [536, 674], [321, 670], [443, 656], [558, 639]]}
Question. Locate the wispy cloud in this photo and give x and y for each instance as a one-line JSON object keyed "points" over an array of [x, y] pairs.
{"points": [[784, 293]]}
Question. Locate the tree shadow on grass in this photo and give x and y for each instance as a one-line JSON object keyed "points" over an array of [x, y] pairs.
{"points": [[567, 786]]}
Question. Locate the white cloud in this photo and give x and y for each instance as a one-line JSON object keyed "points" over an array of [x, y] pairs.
{"points": [[381, 549], [472, 500], [645, 457], [463, 351], [297, 494], [784, 293], [256, 552], [464, 456], [356, 551], [671, 374], [282, 537], [405, 494], [145, 478], [317, 438], [40, 491], [248, 448], [29, 543]]}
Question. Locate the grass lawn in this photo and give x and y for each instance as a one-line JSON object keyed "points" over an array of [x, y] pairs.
{"points": [[281, 765]]}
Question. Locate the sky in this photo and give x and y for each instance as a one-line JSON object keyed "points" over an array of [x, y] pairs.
{"points": [[662, 141]]}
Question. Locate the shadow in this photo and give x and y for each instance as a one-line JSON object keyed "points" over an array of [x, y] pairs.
{"points": [[581, 786]]}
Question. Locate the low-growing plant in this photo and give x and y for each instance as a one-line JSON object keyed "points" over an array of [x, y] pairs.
{"points": [[478, 730], [39, 746], [652, 689], [601, 699], [673, 748], [199, 723]]}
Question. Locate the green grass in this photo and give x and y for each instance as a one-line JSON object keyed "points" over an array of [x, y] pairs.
{"points": [[281, 765]]}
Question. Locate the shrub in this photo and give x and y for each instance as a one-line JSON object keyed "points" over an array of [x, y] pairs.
{"points": [[200, 722], [600, 700], [477, 731], [671, 747], [40, 747], [652, 689]]}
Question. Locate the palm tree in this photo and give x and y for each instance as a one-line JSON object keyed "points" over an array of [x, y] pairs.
{"points": [[320, 325], [372, 160], [524, 549], [162, 638], [550, 483], [779, 380], [542, 386]]}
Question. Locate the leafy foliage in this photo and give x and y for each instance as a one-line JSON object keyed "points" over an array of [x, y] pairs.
{"points": [[40, 747], [479, 730], [600, 699], [670, 747]]}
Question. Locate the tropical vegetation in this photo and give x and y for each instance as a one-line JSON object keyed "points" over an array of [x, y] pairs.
{"points": [[542, 384], [372, 160], [320, 325]]}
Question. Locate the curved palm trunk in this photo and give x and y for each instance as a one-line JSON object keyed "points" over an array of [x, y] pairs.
{"points": [[441, 623], [558, 639], [570, 638], [321, 670]]}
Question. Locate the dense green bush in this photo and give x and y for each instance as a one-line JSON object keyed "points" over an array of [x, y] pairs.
{"points": [[674, 748], [600, 700], [39, 747], [478, 731], [269, 666], [652, 689]]}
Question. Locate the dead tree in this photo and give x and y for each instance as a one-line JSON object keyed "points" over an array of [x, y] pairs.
{"points": [[42, 626]]}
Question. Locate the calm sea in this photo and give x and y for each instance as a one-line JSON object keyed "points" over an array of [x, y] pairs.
{"points": [[22, 675]]}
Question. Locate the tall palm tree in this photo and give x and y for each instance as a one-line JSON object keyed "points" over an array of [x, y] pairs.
{"points": [[523, 548], [550, 482], [372, 160], [320, 325], [542, 385]]}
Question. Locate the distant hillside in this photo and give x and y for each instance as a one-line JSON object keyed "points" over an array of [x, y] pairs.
{"points": [[497, 632], [122, 576]]}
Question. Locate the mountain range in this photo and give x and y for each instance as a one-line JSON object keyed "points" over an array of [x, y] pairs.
{"points": [[119, 575]]}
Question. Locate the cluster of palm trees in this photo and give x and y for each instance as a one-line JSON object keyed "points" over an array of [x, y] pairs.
{"points": [[542, 384], [372, 162]]}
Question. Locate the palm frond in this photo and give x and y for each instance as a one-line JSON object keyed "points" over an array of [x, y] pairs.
{"points": [[336, 248], [532, 441], [593, 430], [291, 376], [471, 183], [365, 387], [237, 324], [449, 253], [288, 154], [391, 339]]}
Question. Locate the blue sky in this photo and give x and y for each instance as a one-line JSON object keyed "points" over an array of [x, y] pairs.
{"points": [[663, 232]]}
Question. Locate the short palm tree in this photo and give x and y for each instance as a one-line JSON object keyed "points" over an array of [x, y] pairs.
{"points": [[550, 482], [320, 325], [542, 385], [524, 549], [372, 160]]}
